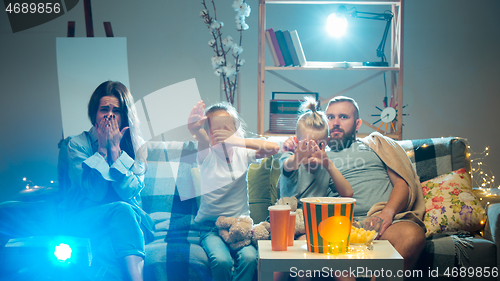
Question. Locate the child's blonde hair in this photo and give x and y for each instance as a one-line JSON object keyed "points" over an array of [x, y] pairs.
{"points": [[239, 124], [311, 118]]}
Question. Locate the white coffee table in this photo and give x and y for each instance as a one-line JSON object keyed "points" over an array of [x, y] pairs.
{"points": [[383, 261]]}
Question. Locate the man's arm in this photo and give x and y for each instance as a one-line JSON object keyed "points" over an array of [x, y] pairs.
{"points": [[398, 200]]}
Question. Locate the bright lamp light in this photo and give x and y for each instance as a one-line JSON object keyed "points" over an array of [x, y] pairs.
{"points": [[63, 252], [336, 25]]}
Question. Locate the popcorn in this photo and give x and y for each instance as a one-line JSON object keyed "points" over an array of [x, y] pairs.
{"points": [[362, 236]]}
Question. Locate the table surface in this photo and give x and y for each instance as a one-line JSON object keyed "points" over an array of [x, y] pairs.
{"points": [[382, 257]]}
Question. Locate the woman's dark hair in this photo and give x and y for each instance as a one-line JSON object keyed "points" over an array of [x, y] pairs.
{"points": [[129, 118]]}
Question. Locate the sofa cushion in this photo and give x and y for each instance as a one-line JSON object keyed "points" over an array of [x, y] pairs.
{"points": [[275, 175], [262, 192], [451, 205], [259, 186]]}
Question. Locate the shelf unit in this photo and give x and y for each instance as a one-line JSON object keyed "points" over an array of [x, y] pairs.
{"points": [[395, 68]]}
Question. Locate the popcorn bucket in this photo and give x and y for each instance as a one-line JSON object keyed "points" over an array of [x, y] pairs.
{"points": [[328, 223]]}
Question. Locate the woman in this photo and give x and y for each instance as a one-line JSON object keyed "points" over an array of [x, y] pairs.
{"points": [[106, 168]]}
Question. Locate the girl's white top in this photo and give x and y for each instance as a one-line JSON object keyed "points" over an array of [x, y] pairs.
{"points": [[224, 185]]}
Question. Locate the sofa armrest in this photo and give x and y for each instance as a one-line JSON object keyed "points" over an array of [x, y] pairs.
{"points": [[492, 228]]}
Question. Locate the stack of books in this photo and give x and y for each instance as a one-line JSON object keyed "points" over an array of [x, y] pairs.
{"points": [[285, 48]]}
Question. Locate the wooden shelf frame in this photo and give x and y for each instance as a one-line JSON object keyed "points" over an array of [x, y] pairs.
{"points": [[395, 67]]}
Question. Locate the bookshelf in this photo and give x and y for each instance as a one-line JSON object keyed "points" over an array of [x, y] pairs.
{"points": [[395, 68]]}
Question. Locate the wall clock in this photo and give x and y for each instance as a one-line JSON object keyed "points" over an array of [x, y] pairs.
{"points": [[387, 116]]}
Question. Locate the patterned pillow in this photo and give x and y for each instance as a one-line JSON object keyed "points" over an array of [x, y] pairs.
{"points": [[450, 204]]}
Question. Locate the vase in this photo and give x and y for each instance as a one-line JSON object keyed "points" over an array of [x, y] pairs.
{"points": [[236, 103]]}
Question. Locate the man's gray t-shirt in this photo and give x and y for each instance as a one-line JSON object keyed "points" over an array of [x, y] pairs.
{"points": [[366, 173], [302, 184]]}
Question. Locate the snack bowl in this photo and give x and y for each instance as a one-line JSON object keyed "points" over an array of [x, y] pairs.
{"points": [[364, 230]]}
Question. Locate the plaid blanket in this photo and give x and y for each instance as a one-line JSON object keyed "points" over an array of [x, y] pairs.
{"points": [[168, 196], [436, 156]]}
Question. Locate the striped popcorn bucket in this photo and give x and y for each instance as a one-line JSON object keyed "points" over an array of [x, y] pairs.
{"points": [[328, 223]]}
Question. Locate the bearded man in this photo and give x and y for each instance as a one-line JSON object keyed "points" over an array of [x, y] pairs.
{"points": [[384, 181]]}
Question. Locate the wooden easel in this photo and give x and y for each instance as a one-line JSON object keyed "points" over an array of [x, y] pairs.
{"points": [[90, 33], [89, 26]]}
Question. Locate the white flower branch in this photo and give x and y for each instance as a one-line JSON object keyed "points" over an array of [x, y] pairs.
{"points": [[225, 64]]}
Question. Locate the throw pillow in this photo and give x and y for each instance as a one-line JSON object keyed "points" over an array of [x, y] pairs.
{"points": [[259, 186], [450, 204]]}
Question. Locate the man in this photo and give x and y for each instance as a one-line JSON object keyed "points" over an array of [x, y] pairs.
{"points": [[384, 181]]}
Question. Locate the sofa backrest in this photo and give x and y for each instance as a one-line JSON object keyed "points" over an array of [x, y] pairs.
{"points": [[437, 156]]}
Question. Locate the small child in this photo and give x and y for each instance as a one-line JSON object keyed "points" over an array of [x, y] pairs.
{"points": [[309, 172], [223, 158]]}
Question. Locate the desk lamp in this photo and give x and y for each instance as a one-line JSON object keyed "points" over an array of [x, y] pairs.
{"points": [[337, 24]]}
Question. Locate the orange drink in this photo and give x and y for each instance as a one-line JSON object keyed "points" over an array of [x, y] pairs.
{"points": [[280, 216], [291, 228], [328, 223]]}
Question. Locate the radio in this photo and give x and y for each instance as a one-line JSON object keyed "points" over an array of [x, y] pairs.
{"points": [[284, 110]]}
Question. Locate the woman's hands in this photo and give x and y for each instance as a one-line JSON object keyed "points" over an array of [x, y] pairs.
{"points": [[109, 137]]}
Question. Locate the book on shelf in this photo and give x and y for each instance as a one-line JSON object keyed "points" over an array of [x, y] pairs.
{"points": [[298, 48], [276, 47], [270, 46], [291, 48], [283, 47]]}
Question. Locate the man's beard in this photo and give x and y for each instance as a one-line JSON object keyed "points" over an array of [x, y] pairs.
{"points": [[339, 143]]}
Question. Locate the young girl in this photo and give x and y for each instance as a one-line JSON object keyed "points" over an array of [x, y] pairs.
{"points": [[309, 172], [223, 158]]}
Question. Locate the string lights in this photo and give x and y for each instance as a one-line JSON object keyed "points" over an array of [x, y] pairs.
{"points": [[29, 183], [481, 174], [32, 187]]}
